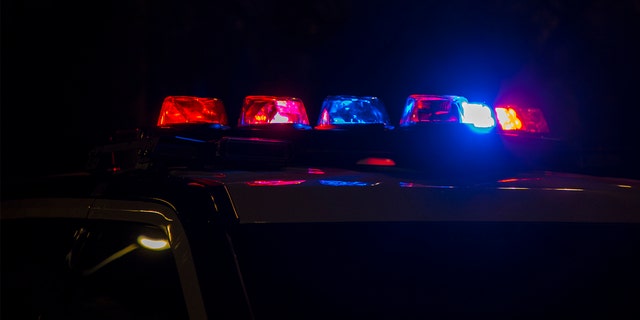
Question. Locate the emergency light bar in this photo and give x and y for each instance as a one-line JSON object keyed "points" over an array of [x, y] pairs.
{"points": [[264, 110], [345, 110], [263, 136], [341, 111], [188, 109]]}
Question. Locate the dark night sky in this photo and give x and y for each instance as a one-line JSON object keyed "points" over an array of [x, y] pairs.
{"points": [[73, 72]]}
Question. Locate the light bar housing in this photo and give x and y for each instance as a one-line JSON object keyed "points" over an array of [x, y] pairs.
{"points": [[477, 114], [518, 119], [266, 110], [348, 110], [189, 109], [425, 108]]}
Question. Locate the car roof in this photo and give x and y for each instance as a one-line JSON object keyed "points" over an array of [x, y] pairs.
{"points": [[339, 195]]}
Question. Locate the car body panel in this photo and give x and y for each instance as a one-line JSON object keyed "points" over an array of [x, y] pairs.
{"points": [[330, 195]]}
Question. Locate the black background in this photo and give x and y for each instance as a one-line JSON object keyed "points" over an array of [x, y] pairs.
{"points": [[73, 72]]}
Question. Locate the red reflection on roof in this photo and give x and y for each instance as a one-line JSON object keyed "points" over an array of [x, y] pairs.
{"points": [[383, 162], [271, 183], [315, 171]]}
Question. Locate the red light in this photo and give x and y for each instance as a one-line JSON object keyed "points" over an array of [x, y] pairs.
{"points": [[260, 110], [382, 162], [431, 108], [187, 109], [324, 117], [508, 119], [514, 118]]}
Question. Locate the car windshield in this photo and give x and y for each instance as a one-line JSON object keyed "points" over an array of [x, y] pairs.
{"points": [[72, 269]]}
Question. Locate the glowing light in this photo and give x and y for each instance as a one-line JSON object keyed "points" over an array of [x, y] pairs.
{"points": [[407, 184], [351, 110], [189, 139], [514, 118], [324, 118], [431, 108], [508, 119], [262, 110], [153, 244], [383, 162], [196, 184], [477, 114], [546, 189], [418, 185], [315, 171], [341, 183], [188, 109], [564, 189], [278, 118], [626, 186], [272, 183]]}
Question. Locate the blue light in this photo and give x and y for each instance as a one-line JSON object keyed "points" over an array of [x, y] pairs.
{"points": [[351, 110], [189, 139], [341, 183], [477, 114]]}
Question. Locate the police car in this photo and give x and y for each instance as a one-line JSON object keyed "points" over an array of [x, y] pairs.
{"points": [[459, 211]]}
